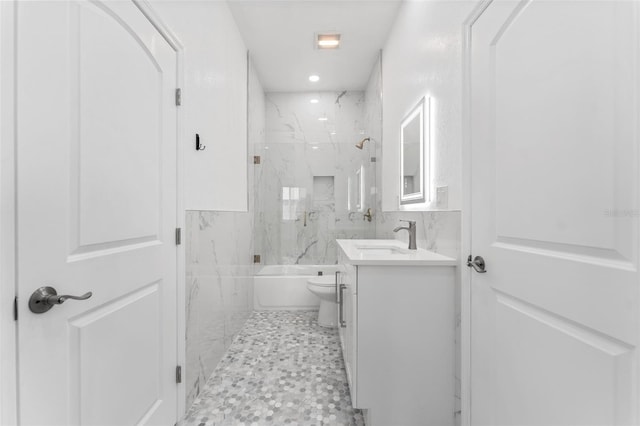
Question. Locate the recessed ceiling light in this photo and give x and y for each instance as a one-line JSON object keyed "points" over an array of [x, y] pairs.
{"points": [[314, 78], [314, 147], [327, 41], [322, 119], [314, 101]]}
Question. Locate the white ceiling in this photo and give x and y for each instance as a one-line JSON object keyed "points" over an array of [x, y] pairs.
{"points": [[280, 37]]}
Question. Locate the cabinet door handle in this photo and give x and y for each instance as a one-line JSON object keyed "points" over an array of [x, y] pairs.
{"points": [[337, 297], [343, 323]]}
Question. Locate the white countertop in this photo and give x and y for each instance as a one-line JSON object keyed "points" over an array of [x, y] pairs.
{"points": [[365, 252]]}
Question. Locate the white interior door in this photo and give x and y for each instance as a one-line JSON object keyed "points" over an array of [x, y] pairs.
{"points": [[96, 189], [554, 136]]}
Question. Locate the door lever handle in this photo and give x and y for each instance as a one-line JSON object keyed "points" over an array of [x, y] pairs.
{"points": [[58, 300], [477, 264], [46, 298]]}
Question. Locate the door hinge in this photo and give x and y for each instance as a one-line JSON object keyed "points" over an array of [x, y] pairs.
{"points": [[15, 308], [256, 258], [178, 96], [256, 159], [178, 374], [178, 236]]}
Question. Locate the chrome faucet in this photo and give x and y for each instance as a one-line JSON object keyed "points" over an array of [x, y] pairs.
{"points": [[412, 232]]}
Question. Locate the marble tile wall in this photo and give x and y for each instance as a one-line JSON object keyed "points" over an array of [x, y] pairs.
{"points": [[219, 263], [307, 180], [219, 289]]}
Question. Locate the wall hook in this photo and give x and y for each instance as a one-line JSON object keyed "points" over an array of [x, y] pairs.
{"points": [[199, 146]]}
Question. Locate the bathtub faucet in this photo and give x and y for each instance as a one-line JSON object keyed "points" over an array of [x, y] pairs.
{"points": [[368, 215], [412, 232]]}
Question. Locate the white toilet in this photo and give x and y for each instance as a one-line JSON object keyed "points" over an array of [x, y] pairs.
{"points": [[324, 287]]}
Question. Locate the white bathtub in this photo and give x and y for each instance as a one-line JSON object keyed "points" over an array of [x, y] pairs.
{"points": [[284, 287]]}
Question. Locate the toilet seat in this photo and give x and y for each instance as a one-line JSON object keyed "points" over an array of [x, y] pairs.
{"points": [[322, 281]]}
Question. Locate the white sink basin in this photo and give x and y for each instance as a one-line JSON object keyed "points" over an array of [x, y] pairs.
{"points": [[390, 252], [381, 250]]}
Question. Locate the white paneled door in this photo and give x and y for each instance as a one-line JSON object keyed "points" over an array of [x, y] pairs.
{"points": [[554, 139], [96, 190]]}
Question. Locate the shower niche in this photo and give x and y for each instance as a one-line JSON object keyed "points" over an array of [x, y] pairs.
{"points": [[323, 192]]}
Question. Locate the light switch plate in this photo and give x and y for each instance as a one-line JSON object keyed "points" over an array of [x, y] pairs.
{"points": [[442, 197]]}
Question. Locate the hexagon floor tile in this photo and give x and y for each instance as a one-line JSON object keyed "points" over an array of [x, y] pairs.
{"points": [[282, 369]]}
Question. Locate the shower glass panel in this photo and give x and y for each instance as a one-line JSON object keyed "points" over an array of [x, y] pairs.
{"points": [[313, 185]]}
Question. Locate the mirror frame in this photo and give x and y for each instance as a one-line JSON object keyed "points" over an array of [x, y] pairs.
{"points": [[360, 188], [421, 110]]}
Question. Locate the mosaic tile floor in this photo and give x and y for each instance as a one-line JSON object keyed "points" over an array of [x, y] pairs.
{"points": [[282, 369]]}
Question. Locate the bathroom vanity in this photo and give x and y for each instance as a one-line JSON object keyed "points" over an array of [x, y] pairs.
{"points": [[397, 326]]}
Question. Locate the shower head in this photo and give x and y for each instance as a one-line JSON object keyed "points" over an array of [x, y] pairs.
{"points": [[360, 144]]}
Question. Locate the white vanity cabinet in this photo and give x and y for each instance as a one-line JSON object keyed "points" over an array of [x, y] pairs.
{"points": [[397, 334]]}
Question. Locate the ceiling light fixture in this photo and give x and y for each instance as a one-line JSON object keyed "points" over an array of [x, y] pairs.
{"points": [[314, 78], [322, 119], [327, 41], [314, 101]]}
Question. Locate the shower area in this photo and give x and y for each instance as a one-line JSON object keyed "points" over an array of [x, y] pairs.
{"points": [[315, 182]]}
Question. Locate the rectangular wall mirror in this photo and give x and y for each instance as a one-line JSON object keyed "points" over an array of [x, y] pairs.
{"points": [[414, 142]]}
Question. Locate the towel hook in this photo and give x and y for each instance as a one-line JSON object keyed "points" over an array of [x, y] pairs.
{"points": [[199, 146]]}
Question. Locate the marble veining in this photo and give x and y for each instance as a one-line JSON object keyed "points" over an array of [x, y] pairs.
{"points": [[281, 369], [219, 289]]}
